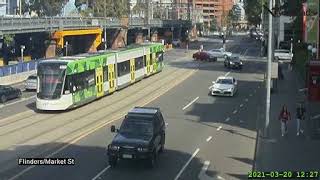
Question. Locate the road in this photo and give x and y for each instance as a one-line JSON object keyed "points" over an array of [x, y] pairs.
{"points": [[217, 134]]}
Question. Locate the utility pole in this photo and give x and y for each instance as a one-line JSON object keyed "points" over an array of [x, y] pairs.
{"points": [[20, 8], [270, 44]]}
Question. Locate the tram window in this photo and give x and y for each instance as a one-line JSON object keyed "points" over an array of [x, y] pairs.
{"points": [[124, 68], [160, 56], [139, 63], [67, 85], [90, 78], [105, 73], [145, 60]]}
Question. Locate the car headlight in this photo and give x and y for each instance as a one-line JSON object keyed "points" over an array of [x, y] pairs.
{"points": [[142, 149], [240, 62], [231, 62], [231, 89], [114, 148]]}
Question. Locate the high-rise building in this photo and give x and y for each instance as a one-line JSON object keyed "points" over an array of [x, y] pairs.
{"points": [[9, 7], [217, 9]]}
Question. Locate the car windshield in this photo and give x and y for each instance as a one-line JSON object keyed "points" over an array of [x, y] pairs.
{"points": [[137, 126], [282, 51], [224, 81], [32, 77]]}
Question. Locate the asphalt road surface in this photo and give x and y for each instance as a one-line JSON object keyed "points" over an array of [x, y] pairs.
{"points": [[207, 137]]}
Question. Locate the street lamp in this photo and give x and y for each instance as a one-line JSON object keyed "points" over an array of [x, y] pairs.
{"points": [[22, 48], [66, 46], [105, 43]]}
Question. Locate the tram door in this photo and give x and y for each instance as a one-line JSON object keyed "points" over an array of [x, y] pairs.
{"points": [[99, 81], [148, 64], [154, 63], [132, 70], [111, 78]]}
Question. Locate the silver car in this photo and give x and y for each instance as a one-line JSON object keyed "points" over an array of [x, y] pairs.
{"points": [[31, 82], [224, 86], [219, 53]]}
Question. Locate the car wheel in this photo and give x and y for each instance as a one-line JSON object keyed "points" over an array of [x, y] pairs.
{"points": [[3, 98], [113, 161], [152, 160], [162, 144], [19, 94]]}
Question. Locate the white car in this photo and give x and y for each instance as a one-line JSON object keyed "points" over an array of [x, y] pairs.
{"points": [[283, 54], [219, 53], [176, 43], [224, 86], [31, 82]]}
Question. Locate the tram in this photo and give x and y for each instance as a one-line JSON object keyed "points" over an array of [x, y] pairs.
{"points": [[72, 81]]}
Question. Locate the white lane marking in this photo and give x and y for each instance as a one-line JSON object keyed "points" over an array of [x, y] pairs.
{"points": [[235, 111], [101, 172], [209, 138], [241, 121], [190, 103], [250, 95], [218, 129], [227, 73], [202, 175], [246, 99], [241, 105], [188, 162], [316, 116], [245, 53], [21, 100], [228, 119]]}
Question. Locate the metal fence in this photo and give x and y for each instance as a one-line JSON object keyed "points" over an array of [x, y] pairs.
{"points": [[18, 68]]}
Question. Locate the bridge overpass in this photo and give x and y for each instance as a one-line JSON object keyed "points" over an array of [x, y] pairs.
{"points": [[31, 25]]}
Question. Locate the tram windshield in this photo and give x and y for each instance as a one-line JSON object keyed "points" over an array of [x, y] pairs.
{"points": [[51, 77]]}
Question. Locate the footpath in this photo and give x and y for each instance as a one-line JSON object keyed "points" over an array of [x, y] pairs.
{"points": [[292, 152]]}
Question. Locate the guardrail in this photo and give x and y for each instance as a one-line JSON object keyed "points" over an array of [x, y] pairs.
{"points": [[27, 25], [18, 68]]}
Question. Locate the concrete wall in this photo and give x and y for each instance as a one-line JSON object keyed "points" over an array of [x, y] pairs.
{"points": [[16, 78]]}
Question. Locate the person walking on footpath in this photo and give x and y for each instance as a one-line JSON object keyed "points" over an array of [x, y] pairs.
{"points": [[300, 115], [284, 117]]}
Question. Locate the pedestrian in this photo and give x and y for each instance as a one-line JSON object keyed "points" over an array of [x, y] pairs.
{"points": [[280, 73], [284, 117], [300, 116]]}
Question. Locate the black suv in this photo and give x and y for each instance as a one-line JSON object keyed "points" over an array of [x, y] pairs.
{"points": [[233, 62], [141, 136]]}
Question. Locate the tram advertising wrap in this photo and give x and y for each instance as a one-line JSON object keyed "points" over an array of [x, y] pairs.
{"points": [[71, 81]]}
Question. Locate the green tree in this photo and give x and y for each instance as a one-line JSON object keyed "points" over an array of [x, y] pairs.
{"points": [[213, 24], [112, 8], [232, 16], [253, 9], [46, 7]]}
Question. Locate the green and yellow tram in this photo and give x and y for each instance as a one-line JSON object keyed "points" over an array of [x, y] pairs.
{"points": [[71, 81]]}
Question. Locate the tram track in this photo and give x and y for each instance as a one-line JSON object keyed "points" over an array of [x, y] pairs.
{"points": [[76, 110], [98, 120], [86, 114]]}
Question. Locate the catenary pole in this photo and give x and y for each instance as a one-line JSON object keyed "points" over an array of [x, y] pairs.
{"points": [[270, 34]]}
